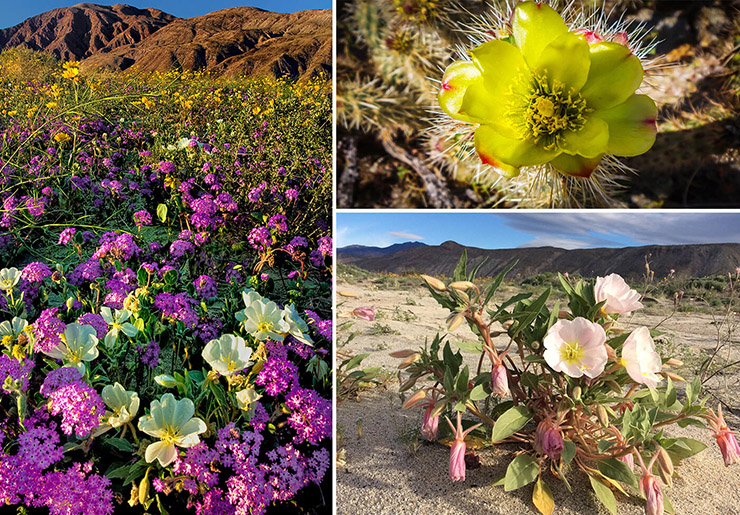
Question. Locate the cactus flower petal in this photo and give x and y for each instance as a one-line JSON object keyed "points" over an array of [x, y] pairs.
{"points": [[573, 71], [632, 128], [592, 140], [457, 78], [535, 26], [614, 76], [576, 166], [494, 148]]}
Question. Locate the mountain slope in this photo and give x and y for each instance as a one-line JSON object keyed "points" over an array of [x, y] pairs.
{"points": [[235, 41], [77, 32], [686, 260]]}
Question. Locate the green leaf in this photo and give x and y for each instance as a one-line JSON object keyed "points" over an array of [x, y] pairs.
{"points": [[670, 394], [118, 473], [542, 497], [604, 445], [569, 451], [162, 213], [686, 447], [478, 393], [604, 493], [520, 472], [497, 282], [120, 444], [685, 422], [459, 273], [532, 311], [472, 347], [529, 380], [534, 358], [170, 277], [472, 274], [510, 422], [462, 381], [667, 506], [617, 470], [692, 391], [499, 481], [142, 276], [354, 361]]}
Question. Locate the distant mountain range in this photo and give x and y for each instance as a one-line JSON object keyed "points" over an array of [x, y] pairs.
{"points": [[236, 41], [686, 260]]}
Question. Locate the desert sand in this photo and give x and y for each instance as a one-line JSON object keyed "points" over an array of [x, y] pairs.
{"points": [[383, 474]]}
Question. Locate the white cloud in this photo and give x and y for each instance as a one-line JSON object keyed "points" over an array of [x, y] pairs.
{"points": [[406, 235]]}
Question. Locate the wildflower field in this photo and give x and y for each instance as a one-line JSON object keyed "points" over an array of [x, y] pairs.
{"points": [[165, 303]]}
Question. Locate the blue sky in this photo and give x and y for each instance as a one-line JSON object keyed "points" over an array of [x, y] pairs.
{"points": [[562, 229], [15, 12]]}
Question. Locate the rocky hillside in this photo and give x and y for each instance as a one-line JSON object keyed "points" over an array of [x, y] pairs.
{"points": [[235, 41], [686, 260]]}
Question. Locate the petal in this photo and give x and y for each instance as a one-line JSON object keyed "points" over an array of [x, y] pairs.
{"points": [[632, 127], [163, 451], [183, 413], [577, 166], [481, 105], [565, 60], [614, 76], [591, 141], [455, 82], [536, 25], [194, 426], [496, 149]]}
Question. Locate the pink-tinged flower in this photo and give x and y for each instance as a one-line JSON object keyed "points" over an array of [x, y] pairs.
{"points": [[650, 488], [619, 297], [629, 459], [457, 450], [640, 359], [429, 424], [365, 313], [576, 348], [725, 438], [499, 381], [547, 439]]}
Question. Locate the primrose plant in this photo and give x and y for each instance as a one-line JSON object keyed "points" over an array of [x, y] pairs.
{"points": [[569, 388]]}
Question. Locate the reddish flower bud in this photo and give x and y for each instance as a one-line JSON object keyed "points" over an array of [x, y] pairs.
{"points": [[457, 460], [654, 497], [365, 313], [430, 424], [499, 381], [548, 439], [729, 447]]}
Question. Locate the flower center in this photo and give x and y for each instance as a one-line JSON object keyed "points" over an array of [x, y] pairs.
{"points": [[265, 326], [544, 110], [571, 352], [170, 434]]}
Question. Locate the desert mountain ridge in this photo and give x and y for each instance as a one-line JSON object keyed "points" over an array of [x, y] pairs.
{"points": [[701, 260], [234, 41]]}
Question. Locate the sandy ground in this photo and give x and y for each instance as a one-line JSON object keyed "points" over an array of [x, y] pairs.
{"points": [[384, 475]]}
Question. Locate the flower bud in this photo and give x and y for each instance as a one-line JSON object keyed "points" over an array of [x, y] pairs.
{"points": [[629, 459], [365, 313], [166, 380], [499, 381], [402, 353], [434, 283], [673, 362], [462, 285], [454, 320], [665, 467], [429, 428], [411, 359], [611, 354], [576, 393], [654, 497], [602, 415], [548, 439], [457, 460], [729, 447], [415, 399]]}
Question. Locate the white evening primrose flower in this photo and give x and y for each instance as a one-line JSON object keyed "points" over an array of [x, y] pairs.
{"points": [[576, 348], [10, 330], [9, 277], [78, 344], [298, 326], [246, 397], [117, 322], [172, 422], [619, 297], [262, 318], [123, 404], [640, 359], [228, 354]]}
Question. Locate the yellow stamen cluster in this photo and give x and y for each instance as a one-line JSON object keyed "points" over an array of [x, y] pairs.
{"points": [[546, 110], [265, 327], [571, 352]]}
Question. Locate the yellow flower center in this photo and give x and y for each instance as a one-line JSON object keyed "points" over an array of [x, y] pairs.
{"points": [[265, 326], [170, 434], [543, 110], [571, 352], [7, 340]]}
